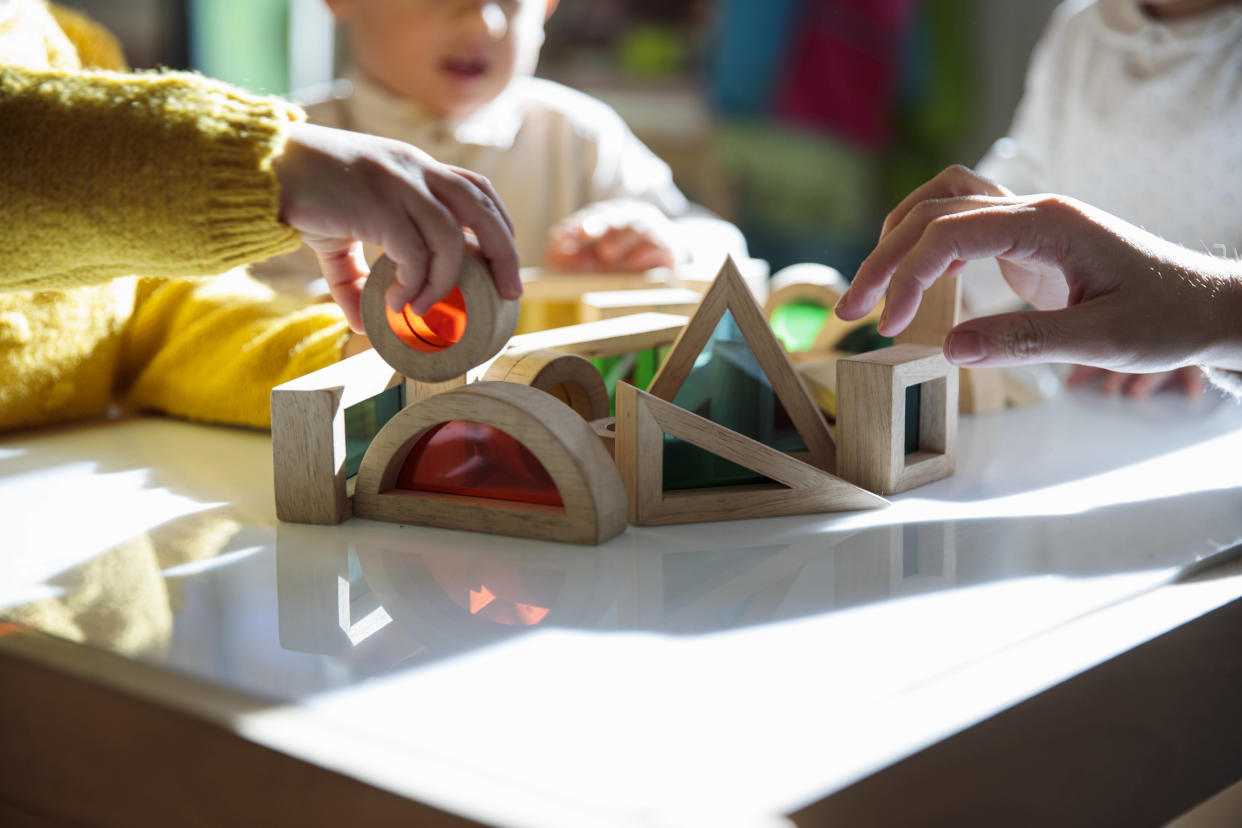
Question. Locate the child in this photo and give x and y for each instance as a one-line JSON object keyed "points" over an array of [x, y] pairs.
{"points": [[104, 174], [1132, 107], [453, 77]]}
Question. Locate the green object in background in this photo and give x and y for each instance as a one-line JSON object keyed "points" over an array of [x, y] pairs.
{"points": [[638, 369], [798, 323], [652, 51], [242, 42], [364, 420], [727, 386]]}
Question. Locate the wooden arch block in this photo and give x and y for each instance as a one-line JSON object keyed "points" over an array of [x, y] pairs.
{"points": [[729, 293], [871, 418], [482, 323], [570, 378], [806, 282], [643, 420], [589, 486]]}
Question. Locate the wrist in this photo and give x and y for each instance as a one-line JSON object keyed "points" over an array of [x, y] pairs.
{"points": [[1225, 347]]}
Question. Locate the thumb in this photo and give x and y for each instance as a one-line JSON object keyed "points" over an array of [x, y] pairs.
{"points": [[345, 269], [1067, 335]]}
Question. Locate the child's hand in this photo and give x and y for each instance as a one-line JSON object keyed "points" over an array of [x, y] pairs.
{"points": [[1189, 379], [1131, 301], [343, 189], [612, 236]]}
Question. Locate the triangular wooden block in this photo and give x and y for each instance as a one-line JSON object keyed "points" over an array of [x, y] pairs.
{"points": [[729, 293], [643, 420], [593, 506]]}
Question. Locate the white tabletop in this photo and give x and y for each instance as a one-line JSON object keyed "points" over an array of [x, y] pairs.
{"points": [[719, 674]]}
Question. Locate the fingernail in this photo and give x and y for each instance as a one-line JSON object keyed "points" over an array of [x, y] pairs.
{"points": [[842, 302], [966, 347]]}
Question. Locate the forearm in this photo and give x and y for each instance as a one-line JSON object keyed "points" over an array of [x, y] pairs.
{"points": [[111, 174], [1223, 297]]}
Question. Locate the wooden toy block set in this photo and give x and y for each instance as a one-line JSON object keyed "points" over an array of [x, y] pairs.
{"points": [[455, 422]]}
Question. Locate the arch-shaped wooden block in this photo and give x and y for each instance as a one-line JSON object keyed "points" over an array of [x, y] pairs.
{"points": [[595, 505], [405, 342], [808, 282], [571, 379]]}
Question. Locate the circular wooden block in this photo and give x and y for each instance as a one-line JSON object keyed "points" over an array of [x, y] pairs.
{"points": [[468, 327], [571, 379]]}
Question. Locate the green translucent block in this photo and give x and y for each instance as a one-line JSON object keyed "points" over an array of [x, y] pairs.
{"points": [[728, 387], [638, 369], [914, 408], [798, 323], [364, 420]]}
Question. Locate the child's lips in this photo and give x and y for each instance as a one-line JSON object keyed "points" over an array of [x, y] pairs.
{"points": [[465, 67]]}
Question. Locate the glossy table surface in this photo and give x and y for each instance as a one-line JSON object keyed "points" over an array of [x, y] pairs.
{"points": [[717, 674]]}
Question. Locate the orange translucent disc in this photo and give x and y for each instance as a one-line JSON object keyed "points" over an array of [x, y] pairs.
{"points": [[472, 459], [442, 326]]}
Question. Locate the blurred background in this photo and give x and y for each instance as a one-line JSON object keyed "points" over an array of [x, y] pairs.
{"points": [[802, 121]]}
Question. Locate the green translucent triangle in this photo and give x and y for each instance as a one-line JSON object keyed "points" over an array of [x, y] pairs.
{"points": [[638, 369], [727, 386]]}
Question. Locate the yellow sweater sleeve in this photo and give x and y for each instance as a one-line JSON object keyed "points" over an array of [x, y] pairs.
{"points": [[107, 174], [212, 349]]}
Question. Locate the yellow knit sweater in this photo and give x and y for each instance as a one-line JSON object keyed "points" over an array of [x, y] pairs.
{"points": [[104, 175]]}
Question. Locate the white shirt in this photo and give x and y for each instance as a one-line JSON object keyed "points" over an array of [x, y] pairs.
{"points": [[547, 149], [1145, 124]]}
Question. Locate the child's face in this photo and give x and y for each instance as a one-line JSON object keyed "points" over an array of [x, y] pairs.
{"points": [[449, 56]]}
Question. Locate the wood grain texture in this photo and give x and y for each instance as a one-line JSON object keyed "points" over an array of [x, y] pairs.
{"points": [[609, 337], [605, 429], [871, 416], [938, 313], [416, 392], [730, 293], [490, 322], [555, 372], [597, 305], [308, 436], [819, 374], [588, 482], [642, 422], [982, 390]]}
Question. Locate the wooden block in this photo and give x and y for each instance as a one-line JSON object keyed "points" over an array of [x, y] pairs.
{"points": [[609, 337], [808, 282], [835, 328], [416, 392], [643, 420], [731, 294], [589, 485], [605, 429], [820, 377], [938, 313], [308, 435], [871, 418], [982, 390], [540, 284], [489, 323], [609, 304], [700, 276], [568, 377]]}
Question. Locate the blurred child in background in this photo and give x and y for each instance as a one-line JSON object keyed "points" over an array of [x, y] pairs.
{"points": [[1133, 107], [453, 77]]}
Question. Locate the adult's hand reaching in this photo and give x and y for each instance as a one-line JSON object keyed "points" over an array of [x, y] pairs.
{"points": [[1108, 294]]}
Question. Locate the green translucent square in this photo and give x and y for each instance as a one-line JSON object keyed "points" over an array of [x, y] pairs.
{"points": [[638, 369], [727, 386], [364, 420]]}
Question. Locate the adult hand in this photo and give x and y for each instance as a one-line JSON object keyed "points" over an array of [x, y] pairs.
{"points": [[342, 189], [620, 236], [1116, 296]]}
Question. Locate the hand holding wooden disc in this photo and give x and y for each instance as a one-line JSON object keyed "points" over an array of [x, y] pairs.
{"points": [[464, 329]]}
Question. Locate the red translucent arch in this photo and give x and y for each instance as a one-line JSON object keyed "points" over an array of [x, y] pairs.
{"points": [[476, 460]]}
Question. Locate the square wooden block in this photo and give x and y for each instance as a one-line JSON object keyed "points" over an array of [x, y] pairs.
{"points": [[873, 449]]}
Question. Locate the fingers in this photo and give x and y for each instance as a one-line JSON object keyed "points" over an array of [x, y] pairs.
{"points": [[480, 209], [345, 269], [1192, 381], [951, 182], [930, 239], [1072, 334]]}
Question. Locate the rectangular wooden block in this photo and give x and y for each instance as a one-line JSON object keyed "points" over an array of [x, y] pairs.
{"points": [[871, 418]]}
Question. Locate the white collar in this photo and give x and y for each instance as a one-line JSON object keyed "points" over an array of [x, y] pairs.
{"points": [[383, 111]]}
